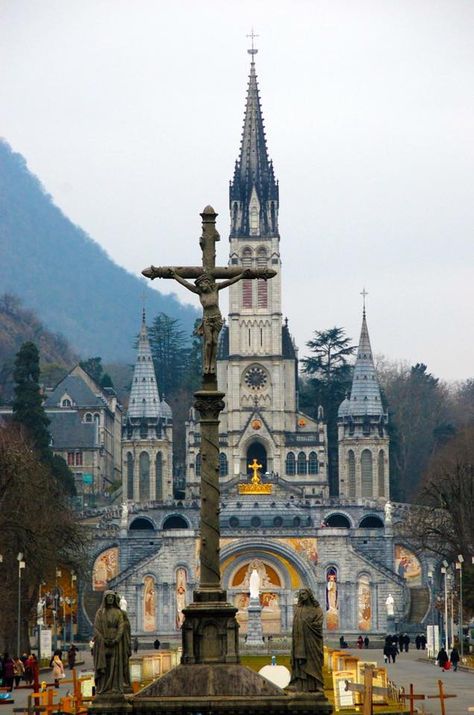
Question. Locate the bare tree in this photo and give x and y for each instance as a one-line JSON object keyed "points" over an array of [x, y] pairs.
{"points": [[35, 520]]}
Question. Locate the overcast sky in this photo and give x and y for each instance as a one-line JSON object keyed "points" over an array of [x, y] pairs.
{"points": [[130, 113]]}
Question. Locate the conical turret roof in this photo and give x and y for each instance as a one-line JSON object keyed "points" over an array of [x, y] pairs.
{"points": [[365, 398], [144, 397]]}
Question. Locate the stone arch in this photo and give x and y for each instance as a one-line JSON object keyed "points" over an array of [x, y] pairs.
{"points": [[371, 521], [351, 473], [142, 523], [338, 520], [175, 521]]}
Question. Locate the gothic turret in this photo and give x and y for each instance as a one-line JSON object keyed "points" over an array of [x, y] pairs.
{"points": [[362, 432], [253, 194], [147, 440]]}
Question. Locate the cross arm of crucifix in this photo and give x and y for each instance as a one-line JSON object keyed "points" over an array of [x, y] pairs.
{"points": [[230, 274]]}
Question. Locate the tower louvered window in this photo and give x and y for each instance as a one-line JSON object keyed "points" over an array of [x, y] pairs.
{"points": [[351, 473], [367, 479], [129, 475], [262, 286], [381, 473], [247, 287], [223, 465], [159, 476], [198, 464], [144, 476]]}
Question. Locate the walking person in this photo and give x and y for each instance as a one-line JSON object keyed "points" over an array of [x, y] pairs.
{"points": [[58, 667], [454, 658], [135, 644], [30, 667], [366, 642], [18, 670], [442, 658], [71, 656], [8, 672], [387, 652], [393, 652]]}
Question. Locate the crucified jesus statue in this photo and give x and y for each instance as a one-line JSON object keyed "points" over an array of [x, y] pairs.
{"points": [[206, 286]]}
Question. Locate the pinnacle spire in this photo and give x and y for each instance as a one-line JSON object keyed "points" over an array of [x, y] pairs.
{"points": [[144, 396], [365, 397], [253, 191]]}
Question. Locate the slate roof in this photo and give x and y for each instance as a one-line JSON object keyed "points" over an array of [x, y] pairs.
{"points": [[365, 398], [68, 431], [144, 396], [78, 391]]}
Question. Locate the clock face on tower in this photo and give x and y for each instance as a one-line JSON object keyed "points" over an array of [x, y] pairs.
{"points": [[255, 378]]}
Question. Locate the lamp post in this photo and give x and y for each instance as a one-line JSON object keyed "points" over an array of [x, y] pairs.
{"points": [[56, 608], [21, 565], [459, 564], [444, 571], [73, 600]]}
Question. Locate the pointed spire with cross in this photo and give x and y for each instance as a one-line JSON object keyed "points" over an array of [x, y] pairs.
{"points": [[364, 294], [253, 51]]}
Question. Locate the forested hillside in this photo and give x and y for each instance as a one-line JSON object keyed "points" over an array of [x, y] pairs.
{"points": [[60, 272], [18, 326]]}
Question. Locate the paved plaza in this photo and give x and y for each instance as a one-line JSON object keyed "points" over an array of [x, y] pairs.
{"points": [[410, 667]]}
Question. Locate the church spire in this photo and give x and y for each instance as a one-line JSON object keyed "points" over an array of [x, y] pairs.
{"points": [[144, 397], [365, 398], [253, 194]]}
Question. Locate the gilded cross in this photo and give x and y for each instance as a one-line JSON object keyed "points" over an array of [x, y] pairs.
{"points": [[255, 467]]}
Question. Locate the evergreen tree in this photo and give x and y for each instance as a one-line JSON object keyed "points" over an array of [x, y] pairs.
{"points": [[28, 403], [330, 379], [93, 367], [169, 348], [28, 412]]}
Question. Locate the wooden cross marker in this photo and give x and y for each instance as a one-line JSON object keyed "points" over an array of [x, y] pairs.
{"points": [[442, 696], [367, 690]]}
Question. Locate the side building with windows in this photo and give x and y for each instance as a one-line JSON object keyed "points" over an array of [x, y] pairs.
{"points": [[362, 431], [147, 438], [85, 426]]}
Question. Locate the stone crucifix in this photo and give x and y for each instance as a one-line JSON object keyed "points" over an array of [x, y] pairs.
{"points": [[209, 401]]}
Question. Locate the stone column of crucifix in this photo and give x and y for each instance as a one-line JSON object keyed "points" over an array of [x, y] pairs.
{"points": [[208, 400]]}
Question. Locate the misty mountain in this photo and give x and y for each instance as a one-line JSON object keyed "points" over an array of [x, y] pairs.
{"points": [[65, 276]]}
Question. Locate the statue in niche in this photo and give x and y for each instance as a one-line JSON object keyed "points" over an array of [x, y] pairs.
{"points": [[149, 620], [254, 583], [307, 645], [111, 648], [180, 596], [390, 605], [388, 510]]}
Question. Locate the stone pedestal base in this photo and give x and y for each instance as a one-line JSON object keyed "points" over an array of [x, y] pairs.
{"points": [[110, 704], [223, 690], [210, 632], [254, 627]]}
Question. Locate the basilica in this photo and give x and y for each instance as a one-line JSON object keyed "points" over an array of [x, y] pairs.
{"points": [[278, 515]]}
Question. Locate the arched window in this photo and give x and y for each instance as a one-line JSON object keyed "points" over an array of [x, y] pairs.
{"points": [[290, 464], [366, 473], [313, 463], [88, 417], [351, 473], [198, 464], [223, 465], [159, 476], [130, 463], [297, 521], [381, 473], [254, 220], [371, 522], [247, 283], [338, 521], [302, 466], [141, 524], [66, 403], [144, 476], [262, 286]]}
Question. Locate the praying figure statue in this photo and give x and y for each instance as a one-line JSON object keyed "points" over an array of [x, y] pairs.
{"points": [[307, 645], [254, 584], [111, 646], [389, 603]]}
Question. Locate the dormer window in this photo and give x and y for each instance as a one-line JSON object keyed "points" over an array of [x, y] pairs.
{"points": [[66, 403]]}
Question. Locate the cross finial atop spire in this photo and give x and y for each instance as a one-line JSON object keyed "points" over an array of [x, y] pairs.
{"points": [[364, 294], [253, 51]]}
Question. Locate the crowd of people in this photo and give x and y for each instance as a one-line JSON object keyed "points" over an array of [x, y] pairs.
{"points": [[396, 644], [446, 661], [14, 669]]}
